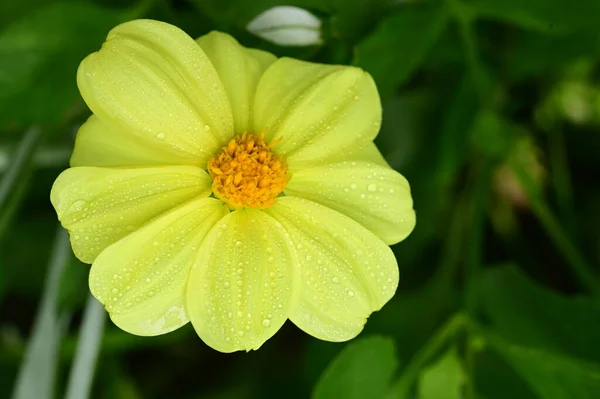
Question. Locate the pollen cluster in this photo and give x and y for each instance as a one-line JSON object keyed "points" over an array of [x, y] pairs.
{"points": [[247, 174]]}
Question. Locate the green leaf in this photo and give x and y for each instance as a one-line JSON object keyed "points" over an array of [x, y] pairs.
{"points": [[493, 135], [542, 15], [457, 122], [362, 370], [534, 54], [395, 50], [550, 375], [40, 54], [532, 315], [88, 347], [36, 378], [15, 181], [496, 379], [443, 379]]}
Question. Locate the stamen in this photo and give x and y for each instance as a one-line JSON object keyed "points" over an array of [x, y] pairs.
{"points": [[247, 174]]}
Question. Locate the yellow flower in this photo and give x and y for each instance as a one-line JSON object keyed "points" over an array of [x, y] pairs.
{"points": [[219, 185]]}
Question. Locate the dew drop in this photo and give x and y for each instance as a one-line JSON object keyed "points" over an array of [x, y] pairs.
{"points": [[266, 323], [353, 186], [335, 280], [160, 136], [79, 205], [350, 293], [372, 187]]}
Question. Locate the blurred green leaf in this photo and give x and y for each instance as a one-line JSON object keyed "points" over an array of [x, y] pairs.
{"points": [[542, 15], [550, 375], [14, 183], [74, 288], [535, 55], [457, 121], [11, 10], [362, 370], [443, 379], [493, 135], [38, 371], [395, 50], [529, 314], [40, 54], [496, 379], [88, 346]]}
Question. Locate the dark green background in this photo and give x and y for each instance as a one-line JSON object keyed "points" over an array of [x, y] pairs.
{"points": [[478, 95]]}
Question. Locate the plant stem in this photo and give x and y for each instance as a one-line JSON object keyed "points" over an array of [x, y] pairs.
{"points": [[464, 18], [583, 271], [559, 170], [473, 262]]}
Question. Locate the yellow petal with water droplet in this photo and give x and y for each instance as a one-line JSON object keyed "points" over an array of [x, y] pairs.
{"points": [[141, 279], [239, 69], [99, 206], [346, 271], [370, 153], [376, 196], [321, 112], [153, 82], [243, 283], [97, 144]]}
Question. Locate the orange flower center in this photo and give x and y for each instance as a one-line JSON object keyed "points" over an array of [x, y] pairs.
{"points": [[247, 174]]}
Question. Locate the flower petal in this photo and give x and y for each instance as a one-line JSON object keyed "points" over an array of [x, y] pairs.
{"points": [[99, 206], [370, 153], [375, 196], [243, 283], [154, 83], [346, 271], [97, 144], [141, 279], [239, 70], [320, 112]]}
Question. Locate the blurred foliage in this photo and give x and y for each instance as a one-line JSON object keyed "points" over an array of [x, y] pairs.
{"points": [[492, 112]]}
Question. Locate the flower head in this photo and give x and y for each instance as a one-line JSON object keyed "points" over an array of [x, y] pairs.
{"points": [[219, 185]]}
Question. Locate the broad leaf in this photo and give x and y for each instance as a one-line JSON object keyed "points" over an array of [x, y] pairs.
{"points": [[362, 370], [395, 50], [530, 314], [443, 379], [543, 15]]}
